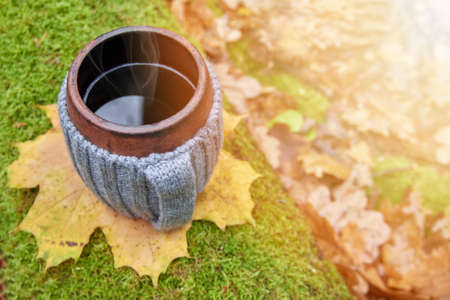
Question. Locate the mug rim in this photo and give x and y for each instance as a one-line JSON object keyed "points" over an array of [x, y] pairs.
{"points": [[145, 129]]}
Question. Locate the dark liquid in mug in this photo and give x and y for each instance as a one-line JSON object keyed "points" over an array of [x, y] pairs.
{"points": [[138, 94]]}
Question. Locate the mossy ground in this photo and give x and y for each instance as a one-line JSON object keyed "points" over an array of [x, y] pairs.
{"points": [[275, 259], [398, 174]]}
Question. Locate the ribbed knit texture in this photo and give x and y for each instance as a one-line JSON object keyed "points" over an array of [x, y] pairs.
{"points": [[162, 187]]}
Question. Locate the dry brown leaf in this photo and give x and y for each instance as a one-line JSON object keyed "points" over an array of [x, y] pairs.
{"points": [[318, 164], [360, 152], [199, 21], [195, 16], [349, 234], [237, 88], [442, 226], [358, 230], [330, 245], [412, 261], [333, 127], [225, 32], [366, 121], [269, 144], [65, 213], [178, 10]]}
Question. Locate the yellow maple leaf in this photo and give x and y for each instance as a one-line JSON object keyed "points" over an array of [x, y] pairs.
{"points": [[230, 122], [65, 213], [227, 189]]}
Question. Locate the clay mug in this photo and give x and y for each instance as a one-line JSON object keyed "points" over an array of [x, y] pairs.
{"points": [[141, 112]]}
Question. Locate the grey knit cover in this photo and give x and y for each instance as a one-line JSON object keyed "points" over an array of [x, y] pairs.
{"points": [[161, 188]]}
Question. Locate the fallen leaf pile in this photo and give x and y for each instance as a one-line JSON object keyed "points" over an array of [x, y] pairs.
{"points": [[398, 252], [417, 257], [65, 213], [372, 91]]}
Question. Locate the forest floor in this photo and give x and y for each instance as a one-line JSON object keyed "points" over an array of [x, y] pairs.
{"points": [[277, 258], [349, 102]]}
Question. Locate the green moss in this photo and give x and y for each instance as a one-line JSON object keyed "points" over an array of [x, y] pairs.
{"points": [[239, 55], [292, 118], [398, 173], [275, 259], [310, 102], [214, 6]]}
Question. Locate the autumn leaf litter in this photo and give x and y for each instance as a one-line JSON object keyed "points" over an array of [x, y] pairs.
{"points": [[400, 252]]}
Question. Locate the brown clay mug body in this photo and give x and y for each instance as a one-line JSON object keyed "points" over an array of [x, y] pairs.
{"points": [[141, 112]]}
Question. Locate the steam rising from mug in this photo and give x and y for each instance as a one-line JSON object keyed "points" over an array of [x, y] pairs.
{"points": [[128, 90]]}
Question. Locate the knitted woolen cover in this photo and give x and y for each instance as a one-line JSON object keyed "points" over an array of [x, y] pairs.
{"points": [[162, 187]]}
